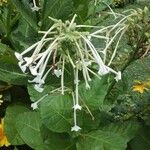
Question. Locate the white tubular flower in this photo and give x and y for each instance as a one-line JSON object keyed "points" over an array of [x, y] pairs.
{"points": [[103, 70], [75, 127], [77, 107], [35, 104], [35, 7], [19, 56], [39, 88], [118, 76], [76, 97], [62, 76], [57, 72]]}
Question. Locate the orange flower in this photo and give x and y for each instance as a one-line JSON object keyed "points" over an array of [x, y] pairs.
{"points": [[3, 138]]}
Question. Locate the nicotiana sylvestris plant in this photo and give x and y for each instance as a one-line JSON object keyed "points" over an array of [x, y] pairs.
{"points": [[81, 54]]}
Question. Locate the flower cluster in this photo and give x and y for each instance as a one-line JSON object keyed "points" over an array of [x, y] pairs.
{"points": [[66, 43]]}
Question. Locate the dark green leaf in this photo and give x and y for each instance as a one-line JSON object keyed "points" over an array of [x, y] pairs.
{"points": [[113, 137], [10, 121], [11, 73], [56, 9], [56, 112], [142, 140], [28, 125], [95, 96], [26, 12]]}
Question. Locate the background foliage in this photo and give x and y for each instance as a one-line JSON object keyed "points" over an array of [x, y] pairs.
{"points": [[117, 117]]}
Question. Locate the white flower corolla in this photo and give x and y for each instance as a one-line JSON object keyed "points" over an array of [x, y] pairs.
{"points": [[18, 56], [35, 104], [75, 128], [118, 76], [57, 72], [39, 88], [103, 70], [35, 7], [77, 107]]}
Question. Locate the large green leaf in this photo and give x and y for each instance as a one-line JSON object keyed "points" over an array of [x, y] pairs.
{"points": [[57, 9], [113, 137], [142, 140], [28, 125], [24, 9], [10, 124], [6, 54], [11, 73], [56, 112], [94, 97], [57, 141]]}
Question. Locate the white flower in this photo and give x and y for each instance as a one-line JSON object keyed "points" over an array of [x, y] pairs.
{"points": [[58, 72], [35, 8], [118, 76], [22, 66], [77, 106], [18, 56], [28, 60], [75, 128], [103, 70], [34, 105], [37, 79], [38, 87]]}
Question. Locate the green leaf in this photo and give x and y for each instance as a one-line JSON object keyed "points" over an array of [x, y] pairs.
{"points": [[56, 9], [56, 111], [57, 141], [94, 97], [113, 137], [99, 7], [34, 95], [10, 124], [81, 9], [142, 140], [6, 54], [11, 73], [28, 125], [26, 12]]}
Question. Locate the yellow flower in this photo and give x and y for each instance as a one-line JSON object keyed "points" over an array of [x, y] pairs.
{"points": [[3, 138], [1, 101], [139, 87]]}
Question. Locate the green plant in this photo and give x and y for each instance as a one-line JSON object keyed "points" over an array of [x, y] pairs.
{"points": [[74, 74]]}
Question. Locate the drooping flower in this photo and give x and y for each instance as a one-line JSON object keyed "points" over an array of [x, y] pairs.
{"points": [[35, 104], [3, 138], [35, 7], [75, 128], [52, 55]]}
